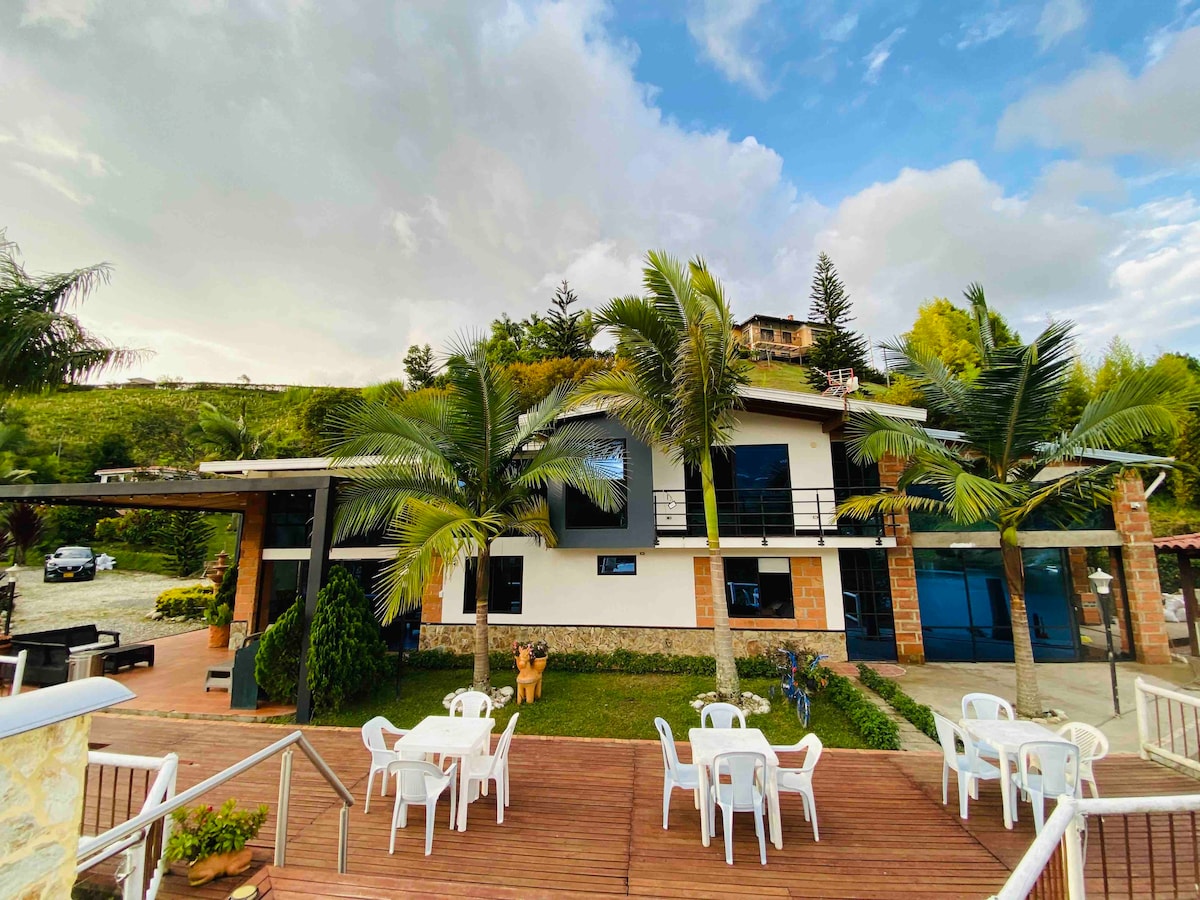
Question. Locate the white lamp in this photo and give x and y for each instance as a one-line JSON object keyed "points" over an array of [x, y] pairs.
{"points": [[1101, 582], [49, 705]]}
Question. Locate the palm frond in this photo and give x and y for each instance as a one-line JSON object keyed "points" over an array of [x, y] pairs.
{"points": [[871, 436], [866, 506]]}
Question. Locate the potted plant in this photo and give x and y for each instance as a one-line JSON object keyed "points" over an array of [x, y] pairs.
{"points": [[219, 616], [539, 652], [213, 841]]}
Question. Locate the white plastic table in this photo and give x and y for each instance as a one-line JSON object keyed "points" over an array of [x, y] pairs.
{"points": [[1007, 736], [458, 737], [707, 743]]}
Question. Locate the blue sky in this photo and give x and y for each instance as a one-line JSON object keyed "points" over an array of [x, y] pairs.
{"points": [[295, 190]]}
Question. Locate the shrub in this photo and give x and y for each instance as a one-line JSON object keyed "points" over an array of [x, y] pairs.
{"points": [[630, 662], [218, 614], [917, 713], [201, 832], [278, 659], [185, 536], [108, 530], [346, 651], [878, 731], [190, 601]]}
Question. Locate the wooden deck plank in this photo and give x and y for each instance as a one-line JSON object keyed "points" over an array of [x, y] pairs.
{"points": [[586, 820]]}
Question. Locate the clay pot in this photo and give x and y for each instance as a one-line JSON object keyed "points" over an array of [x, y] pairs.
{"points": [[218, 637], [539, 664], [202, 871]]}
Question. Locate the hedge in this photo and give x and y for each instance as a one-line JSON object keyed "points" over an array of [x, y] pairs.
{"points": [[879, 732], [630, 662], [917, 713], [187, 601]]}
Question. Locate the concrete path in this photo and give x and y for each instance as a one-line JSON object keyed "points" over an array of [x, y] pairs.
{"points": [[1082, 690]]}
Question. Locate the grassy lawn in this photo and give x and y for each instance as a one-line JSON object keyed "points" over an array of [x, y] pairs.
{"points": [[596, 705], [782, 376]]}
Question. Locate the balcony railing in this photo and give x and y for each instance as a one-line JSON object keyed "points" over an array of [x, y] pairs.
{"points": [[765, 513]]}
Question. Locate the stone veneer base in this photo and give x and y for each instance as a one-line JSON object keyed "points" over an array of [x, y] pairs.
{"points": [[606, 638]]}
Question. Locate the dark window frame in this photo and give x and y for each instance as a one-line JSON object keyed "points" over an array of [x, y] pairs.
{"points": [[784, 609], [515, 605], [617, 556], [576, 501]]}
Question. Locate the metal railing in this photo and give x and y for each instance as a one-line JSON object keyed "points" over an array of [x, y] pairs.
{"points": [[765, 513], [1139, 847], [138, 830], [1168, 725]]}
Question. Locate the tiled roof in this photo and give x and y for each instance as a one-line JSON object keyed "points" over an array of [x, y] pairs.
{"points": [[1188, 543]]}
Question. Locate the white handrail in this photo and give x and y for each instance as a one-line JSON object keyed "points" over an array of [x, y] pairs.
{"points": [[1066, 826], [1150, 745], [18, 662]]}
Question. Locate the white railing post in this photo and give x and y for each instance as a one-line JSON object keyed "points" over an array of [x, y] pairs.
{"points": [[1143, 721], [1073, 857], [281, 816]]}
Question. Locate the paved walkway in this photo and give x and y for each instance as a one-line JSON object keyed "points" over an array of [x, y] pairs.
{"points": [[586, 820], [1082, 690]]}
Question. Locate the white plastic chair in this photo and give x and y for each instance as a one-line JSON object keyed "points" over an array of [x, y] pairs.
{"points": [[493, 768], [472, 705], [422, 782], [18, 662], [684, 776], [1092, 744], [1045, 769], [799, 781], [986, 706], [721, 715], [969, 767], [381, 755], [744, 792]]}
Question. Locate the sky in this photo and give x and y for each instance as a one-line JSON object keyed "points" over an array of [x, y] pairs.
{"points": [[295, 191]]}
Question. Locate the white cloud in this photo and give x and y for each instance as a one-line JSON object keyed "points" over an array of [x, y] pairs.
{"points": [[879, 55], [988, 27], [69, 16], [719, 27], [43, 137], [55, 182], [1069, 181], [1059, 18], [840, 28], [1106, 111]]}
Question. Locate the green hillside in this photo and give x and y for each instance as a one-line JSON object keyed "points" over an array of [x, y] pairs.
{"points": [[783, 376]]}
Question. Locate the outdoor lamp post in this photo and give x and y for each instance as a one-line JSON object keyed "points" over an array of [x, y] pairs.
{"points": [[1101, 583]]}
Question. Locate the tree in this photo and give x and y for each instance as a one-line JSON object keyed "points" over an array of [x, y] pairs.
{"points": [[277, 663], [185, 536], [419, 367], [836, 346], [569, 334], [229, 438], [996, 472], [459, 469], [41, 345], [679, 391], [346, 649], [22, 522]]}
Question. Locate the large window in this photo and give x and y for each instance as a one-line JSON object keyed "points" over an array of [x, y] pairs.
{"points": [[754, 491], [582, 512], [289, 519], [504, 586], [758, 588], [867, 600]]}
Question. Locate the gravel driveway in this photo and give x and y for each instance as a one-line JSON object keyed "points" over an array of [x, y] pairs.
{"points": [[118, 601]]}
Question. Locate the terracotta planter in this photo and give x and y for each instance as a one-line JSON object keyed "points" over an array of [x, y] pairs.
{"points": [[539, 664], [218, 636], [202, 871]]}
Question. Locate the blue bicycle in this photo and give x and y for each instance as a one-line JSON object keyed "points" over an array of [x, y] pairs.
{"points": [[796, 678]]}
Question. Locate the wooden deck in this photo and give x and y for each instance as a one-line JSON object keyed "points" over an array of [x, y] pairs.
{"points": [[586, 821]]}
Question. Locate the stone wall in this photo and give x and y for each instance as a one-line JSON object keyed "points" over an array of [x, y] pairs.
{"points": [[41, 805], [674, 641]]}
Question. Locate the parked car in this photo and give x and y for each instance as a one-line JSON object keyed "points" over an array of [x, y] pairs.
{"points": [[70, 564]]}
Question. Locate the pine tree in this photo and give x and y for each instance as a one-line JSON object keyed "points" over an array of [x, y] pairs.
{"points": [[419, 367], [569, 334], [836, 346]]}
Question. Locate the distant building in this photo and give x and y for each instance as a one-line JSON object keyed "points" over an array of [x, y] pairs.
{"points": [[139, 382], [771, 337], [145, 473]]}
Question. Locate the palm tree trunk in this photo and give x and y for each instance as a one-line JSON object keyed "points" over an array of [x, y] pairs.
{"points": [[483, 673], [1029, 701], [727, 676]]}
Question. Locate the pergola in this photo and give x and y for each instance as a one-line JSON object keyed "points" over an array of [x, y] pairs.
{"points": [[1186, 548]]}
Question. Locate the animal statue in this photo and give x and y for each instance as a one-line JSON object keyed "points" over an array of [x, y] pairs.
{"points": [[529, 679]]}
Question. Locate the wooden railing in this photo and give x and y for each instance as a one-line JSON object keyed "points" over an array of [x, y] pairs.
{"points": [[1168, 726]]}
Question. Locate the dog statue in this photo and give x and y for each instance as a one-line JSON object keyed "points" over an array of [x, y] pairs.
{"points": [[529, 679]]}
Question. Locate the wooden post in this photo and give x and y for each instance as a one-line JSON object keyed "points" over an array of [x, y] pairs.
{"points": [[1187, 583]]}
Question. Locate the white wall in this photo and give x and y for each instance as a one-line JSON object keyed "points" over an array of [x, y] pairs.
{"points": [[561, 587]]}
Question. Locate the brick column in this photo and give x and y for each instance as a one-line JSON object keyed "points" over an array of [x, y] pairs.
{"points": [[1085, 599], [704, 597], [902, 573], [1143, 591], [431, 597], [254, 524]]}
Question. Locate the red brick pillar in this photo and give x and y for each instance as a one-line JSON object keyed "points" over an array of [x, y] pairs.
{"points": [[902, 572], [1142, 588], [431, 597], [1085, 598], [250, 565]]}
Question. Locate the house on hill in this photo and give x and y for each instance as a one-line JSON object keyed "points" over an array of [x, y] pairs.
{"points": [[771, 337]]}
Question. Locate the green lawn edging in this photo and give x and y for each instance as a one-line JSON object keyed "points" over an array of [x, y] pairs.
{"points": [[917, 713], [629, 662], [878, 731]]}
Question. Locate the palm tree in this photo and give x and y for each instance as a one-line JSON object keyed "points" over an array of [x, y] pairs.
{"points": [[457, 469], [229, 437], [997, 471], [679, 392], [41, 345], [22, 522]]}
